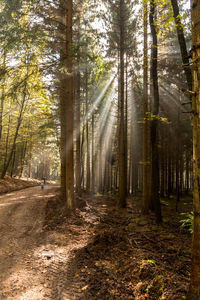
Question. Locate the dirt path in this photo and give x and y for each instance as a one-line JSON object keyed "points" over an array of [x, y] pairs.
{"points": [[98, 253], [21, 243], [36, 263]]}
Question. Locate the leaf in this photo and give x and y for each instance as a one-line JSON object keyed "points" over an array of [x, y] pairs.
{"points": [[85, 288]]}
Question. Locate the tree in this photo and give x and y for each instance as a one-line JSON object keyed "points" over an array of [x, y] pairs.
{"points": [[120, 43], [122, 137], [194, 290], [67, 114], [182, 43], [145, 196], [155, 111]]}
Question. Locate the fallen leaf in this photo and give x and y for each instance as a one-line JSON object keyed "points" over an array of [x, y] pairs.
{"points": [[76, 275]]}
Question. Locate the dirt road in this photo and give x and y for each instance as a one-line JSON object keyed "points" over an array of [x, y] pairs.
{"points": [[98, 252], [22, 243], [34, 263]]}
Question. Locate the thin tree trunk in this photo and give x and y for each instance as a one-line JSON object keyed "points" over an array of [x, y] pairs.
{"points": [[78, 142], [145, 199], [16, 134], [182, 43], [93, 157], [77, 110], [154, 127], [69, 110], [7, 139], [2, 96], [13, 162], [126, 122], [178, 163], [87, 133], [62, 91], [122, 137]]}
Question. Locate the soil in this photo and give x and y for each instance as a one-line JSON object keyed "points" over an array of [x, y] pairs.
{"points": [[9, 184], [98, 252]]}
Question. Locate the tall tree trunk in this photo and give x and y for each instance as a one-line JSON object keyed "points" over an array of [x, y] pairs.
{"points": [[23, 155], [126, 123], [69, 110], [78, 141], [154, 127], [122, 137], [19, 120], [78, 98], [2, 96], [87, 133], [93, 157], [145, 204], [182, 43], [13, 162], [178, 162], [62, 91], [194, 290], [7, 139]]}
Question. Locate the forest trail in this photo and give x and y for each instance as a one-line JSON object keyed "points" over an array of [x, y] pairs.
{"points": [[36, 263], [97, 253], [21, 229]]}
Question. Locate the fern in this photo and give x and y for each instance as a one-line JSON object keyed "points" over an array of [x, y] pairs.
{"points": [[187, 222]]}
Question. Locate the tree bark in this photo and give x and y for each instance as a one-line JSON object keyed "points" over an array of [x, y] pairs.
{"points": [[69, 110], [154, 126], [62, 91], [145, 204], [2, 96], [78, 117], [194, 289], [87, 132], [122, 137], [16, 134], [182, 44]]}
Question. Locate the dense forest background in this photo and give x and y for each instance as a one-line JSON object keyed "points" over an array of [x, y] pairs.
{"points": [[98, 95], [32, 63]]}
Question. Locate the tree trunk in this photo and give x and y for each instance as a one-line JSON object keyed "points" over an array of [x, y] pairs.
{"points": [[122, 137], [78, 98], [2, 96], [145, 204], [16, 135], [194, 290], [182, 43], [62, 91], [69, 110], [126, 124], [87, 132], [154, 127], [93, 157]]}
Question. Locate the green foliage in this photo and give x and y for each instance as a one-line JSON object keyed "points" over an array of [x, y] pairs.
{"points": [[187, 222], [150, 261], [151, 117]]}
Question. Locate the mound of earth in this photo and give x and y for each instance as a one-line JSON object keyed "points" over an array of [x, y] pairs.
{"points": [[9, 184]]}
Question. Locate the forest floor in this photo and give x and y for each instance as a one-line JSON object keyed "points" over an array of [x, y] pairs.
{"points": [[9, 184], [97, 253]]}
